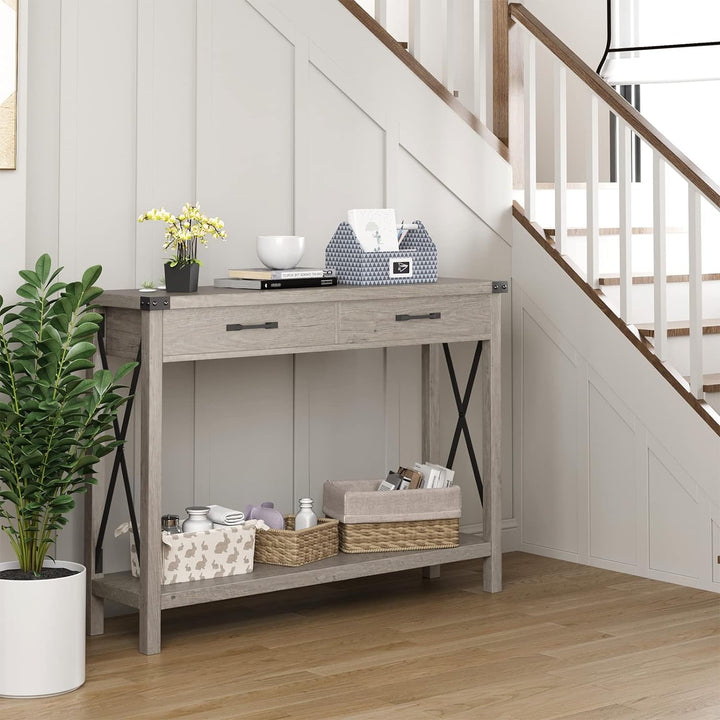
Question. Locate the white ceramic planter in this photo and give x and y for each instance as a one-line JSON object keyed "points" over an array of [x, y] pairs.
{"points": [[42, 634]]}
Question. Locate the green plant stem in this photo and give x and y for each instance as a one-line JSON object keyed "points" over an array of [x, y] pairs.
{"points": [[11, 373]]}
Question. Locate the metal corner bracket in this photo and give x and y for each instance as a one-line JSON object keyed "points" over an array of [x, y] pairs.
{"points": [[156, 302], [500, 286]]}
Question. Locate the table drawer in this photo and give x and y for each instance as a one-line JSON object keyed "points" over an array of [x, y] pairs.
{"points": [[215, 332], [415, 320]]}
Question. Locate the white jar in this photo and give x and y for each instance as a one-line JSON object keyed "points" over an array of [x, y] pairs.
{"points": [[306, 517], [197, 519]]}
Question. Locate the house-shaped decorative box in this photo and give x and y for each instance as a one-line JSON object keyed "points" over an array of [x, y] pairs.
{"points": [[414, 262]]}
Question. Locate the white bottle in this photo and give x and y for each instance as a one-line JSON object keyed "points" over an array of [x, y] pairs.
{"points": [[306, 517]]}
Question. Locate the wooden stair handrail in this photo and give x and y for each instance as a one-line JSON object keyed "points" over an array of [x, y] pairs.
{"points": [[422, 73], [691, 172]]}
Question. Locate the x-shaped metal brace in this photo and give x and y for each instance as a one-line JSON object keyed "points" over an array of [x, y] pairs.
{"points": [[462, 406], [119, 463]]}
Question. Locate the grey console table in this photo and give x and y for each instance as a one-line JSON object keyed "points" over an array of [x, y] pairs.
{"points": [[213, 324]]}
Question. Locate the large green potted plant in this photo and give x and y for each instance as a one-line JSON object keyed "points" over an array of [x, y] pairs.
{"points": [[56, 418]]}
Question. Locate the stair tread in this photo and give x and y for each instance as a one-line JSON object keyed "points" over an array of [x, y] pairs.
{"points": [[678, 328], [649, 279], [711, 382]]}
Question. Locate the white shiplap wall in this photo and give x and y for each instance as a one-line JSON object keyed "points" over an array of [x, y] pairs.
{"points": [[276, 116]]}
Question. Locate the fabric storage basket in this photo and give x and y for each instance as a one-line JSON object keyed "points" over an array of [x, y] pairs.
{"points": [[292, 547], [202, 555], [373, 521]]}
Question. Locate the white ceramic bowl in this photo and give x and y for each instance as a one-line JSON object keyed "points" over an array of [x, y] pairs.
{"points": [[280, 252]]}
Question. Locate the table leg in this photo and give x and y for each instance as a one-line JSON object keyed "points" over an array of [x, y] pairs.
{"points": [[431, 403], [151, 481], [95, 606], [430, 443], [492, 495]]}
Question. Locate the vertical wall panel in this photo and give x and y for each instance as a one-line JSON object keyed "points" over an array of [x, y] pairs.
{"points": [[244, 432], [105, 118], [676, 531], [346, 402], [178, 437], [613, 482], [165, 121], [43, 122], [346, 151], [549, 438], [245, 152]]}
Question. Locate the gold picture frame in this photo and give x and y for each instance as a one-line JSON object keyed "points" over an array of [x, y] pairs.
{"points": [[8, 83]]}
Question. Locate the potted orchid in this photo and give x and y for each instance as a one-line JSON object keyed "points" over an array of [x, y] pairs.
{"points": [[183, 234]]}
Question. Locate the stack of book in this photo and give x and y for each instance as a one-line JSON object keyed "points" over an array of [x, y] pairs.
{"points": [[266, 279]]}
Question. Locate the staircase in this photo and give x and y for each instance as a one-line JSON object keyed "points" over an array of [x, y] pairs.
{"points": [[616, 436]]}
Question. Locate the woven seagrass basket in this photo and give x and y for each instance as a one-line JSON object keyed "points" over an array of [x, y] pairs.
{"points": [[404, 535], [292, 547]]}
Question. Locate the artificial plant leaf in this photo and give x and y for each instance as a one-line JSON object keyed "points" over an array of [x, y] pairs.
{"points": [[55, 287], [91, 275], [91, 294], [124, 369], [28, 291], [31, 277], [82, 349], [42, 267]]}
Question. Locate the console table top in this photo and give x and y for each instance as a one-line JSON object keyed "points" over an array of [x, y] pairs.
{"points": [[207, 296]]}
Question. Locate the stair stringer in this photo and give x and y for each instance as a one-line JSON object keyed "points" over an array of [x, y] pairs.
{"points": [[633, 484]]}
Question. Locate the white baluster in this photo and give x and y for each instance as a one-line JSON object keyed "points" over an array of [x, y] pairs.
{"points": [[530, 109], [660, 268], [593, 232], [480, 42], [381, 12], [695, 251], [560, 156], [625, 217], [414, 33], [444, 34]]}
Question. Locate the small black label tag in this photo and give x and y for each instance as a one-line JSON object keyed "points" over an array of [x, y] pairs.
{"points": [[400, 267]]}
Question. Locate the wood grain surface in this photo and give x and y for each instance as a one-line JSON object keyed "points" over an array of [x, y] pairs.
{"points": [[561, 642]]}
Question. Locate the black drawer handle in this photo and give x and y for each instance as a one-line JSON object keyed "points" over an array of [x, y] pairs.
{"points": [[259, 326], [429, 316]]}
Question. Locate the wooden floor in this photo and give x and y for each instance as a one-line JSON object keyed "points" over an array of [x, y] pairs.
{"points": [[562, 641]]}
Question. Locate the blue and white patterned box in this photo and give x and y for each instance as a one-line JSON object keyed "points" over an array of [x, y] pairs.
{"points": [[414, 262]]}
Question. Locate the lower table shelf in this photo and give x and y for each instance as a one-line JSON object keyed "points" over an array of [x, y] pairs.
{"points": [[125, 589]]}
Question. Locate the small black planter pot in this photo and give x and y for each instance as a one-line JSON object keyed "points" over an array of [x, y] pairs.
{"points": [[181, 278]]}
